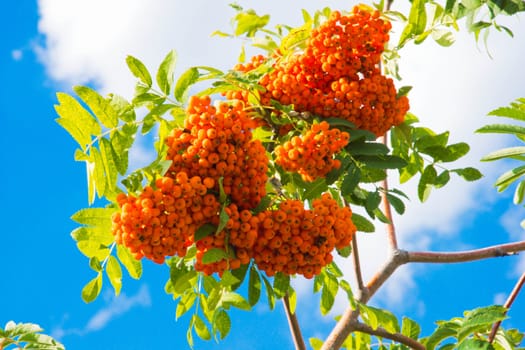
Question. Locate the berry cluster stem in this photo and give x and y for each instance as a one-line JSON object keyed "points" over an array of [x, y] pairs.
{"points": [[295, 330]]}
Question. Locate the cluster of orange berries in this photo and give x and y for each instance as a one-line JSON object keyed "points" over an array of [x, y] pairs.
{"points": [[161, 221], [311, 155], [338, 75], [216, 142], [295, 240]]}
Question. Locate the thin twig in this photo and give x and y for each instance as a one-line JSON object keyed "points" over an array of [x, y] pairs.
{"points": [[294, 325], [499, 250], [387, 208], [357, 266], [507, 305], [381, 332]]}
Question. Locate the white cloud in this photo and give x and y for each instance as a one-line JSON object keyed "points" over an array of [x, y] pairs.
{"points": [[115, 307], [453, 90], [17, 54]]}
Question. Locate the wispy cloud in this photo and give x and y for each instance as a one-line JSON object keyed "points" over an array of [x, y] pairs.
{"points": [[115, 307]]}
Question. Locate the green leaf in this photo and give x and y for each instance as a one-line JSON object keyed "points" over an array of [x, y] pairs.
{"points": [[314, 189], [214, 255], [519, 194], [417, 21], [367, 148], [281, 283], [94, 217], [481, 319], [504, 153], [188, 78], [362, 224], [403, 91], [235, 300], [315, 343], [469, 173], [223, 218], [98, 178], [77, 121], [185, 303], [165, 72], [410, 328], [254, 286], [475, 344], [95, 264], [350, 180], [93, 249], [139, 70], [296, 37], [200, 328], [508, 177], [516, 112], [328, 293], [443, 37], [442, 179], [114, 273], [229, 279], [397, 203], [502, 129], [240, 274], [110, 169], [383, 161], [425, 182], [204, 231], [101, 107], [92, 289], [132, 265], [441, 333], [375, 318], [249, 23], [95, 234], [269, 292], [222, 323]]}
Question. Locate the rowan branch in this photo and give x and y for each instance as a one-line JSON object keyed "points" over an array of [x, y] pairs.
{"points": [[499, 250], [357, 267], [293, 323], [507, 305], [383, 333], [399, 257], [387, 208]]}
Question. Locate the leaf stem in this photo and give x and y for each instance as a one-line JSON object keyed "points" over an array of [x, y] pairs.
{"points": [[295, 330], [507, 305]]}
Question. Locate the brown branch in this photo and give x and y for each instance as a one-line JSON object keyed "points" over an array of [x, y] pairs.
{"points": [[399, 257], [507, 305], [357, 267], [387, 208], [499, 250], [293, 323], [381, 332]]}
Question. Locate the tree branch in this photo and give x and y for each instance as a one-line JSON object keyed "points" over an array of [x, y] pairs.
{"points": [[293, 323], [387, 208], [399, 257], [380, 332], [357, 267], [507, 305], [499, 250]]}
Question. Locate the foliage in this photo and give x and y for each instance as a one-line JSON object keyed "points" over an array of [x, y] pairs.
{"points": [[280, 128], [26, 336]]}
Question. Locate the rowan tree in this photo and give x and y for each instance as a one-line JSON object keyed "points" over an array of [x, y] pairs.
{"points": [[259, 173]]}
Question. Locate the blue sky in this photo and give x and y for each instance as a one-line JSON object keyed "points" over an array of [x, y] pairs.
{"points": [[51, 45]]}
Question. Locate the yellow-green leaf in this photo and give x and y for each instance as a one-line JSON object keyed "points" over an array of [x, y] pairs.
{"points": [[92, 289], [114, 273]]}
